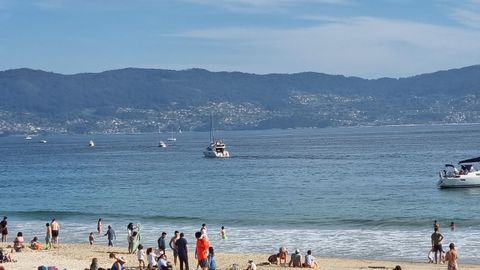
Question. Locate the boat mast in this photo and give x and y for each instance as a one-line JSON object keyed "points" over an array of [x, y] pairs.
{"points": [[211, 127]]}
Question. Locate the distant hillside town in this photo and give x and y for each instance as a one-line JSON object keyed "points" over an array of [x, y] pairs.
{"points": [[152, 100]]}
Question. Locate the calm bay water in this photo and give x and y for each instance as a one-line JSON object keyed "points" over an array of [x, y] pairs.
{"points": [[343, 192]]}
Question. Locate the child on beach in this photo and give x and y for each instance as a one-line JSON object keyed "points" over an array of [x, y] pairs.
{"points": [[141, 257], [211, 259], [91, 239], [34, 244], [18, 242], [151, 257]]}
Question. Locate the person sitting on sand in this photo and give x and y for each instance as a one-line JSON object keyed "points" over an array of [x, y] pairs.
{"points": [[94, 264], [4, 257], [273, 259], [251, 265], [451, 257], [18, 242], [35, 244], [119, 262], [162, 263], [296, 259], [310, 260], [282, 255]]}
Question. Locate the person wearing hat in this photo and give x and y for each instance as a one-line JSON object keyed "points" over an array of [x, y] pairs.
{"points": [[296, 259], [251, 265], [119, 261]]}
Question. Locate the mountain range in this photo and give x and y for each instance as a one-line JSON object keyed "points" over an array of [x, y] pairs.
{"points": [[148, 100]]}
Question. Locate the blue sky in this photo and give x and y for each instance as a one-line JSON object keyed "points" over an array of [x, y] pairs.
{"points": [[370, 38]]}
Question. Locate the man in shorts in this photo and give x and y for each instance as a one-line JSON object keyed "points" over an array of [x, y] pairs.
{"points": [[173, 246], [202, 250], [55, 230], [437, 238]]}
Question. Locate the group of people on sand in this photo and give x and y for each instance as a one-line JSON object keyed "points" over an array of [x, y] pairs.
{"points": [[437, 254], [51, 236], [295, 259]]}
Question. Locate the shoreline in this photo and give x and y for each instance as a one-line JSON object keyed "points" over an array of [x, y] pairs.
{"points": [[79, 256]]}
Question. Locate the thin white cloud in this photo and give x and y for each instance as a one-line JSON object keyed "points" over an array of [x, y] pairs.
{"points": [[468, 13], [361, 46], [262, 5]]}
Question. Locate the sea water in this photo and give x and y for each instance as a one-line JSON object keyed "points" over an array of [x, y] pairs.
{"points": [[361, 192]]}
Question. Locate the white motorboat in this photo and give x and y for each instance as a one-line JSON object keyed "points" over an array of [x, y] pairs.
{"points": [[162, 144], [216, 149], [28, 137], [43, 141], [465, 176], [91, 144]]}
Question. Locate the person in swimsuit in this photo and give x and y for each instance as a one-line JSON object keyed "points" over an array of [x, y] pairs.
{"points": [[55, 230], [99, 226], [451, 257], [437, 238], [173, 246]]}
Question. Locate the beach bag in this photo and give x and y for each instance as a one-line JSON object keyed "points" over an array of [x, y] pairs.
{"points": [[42, 268]]}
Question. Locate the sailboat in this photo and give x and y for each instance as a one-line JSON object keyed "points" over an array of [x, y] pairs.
{"points": [[216, 148], [172, 139], [91, 143]]}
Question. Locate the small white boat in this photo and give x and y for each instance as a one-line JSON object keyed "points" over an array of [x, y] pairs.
{"points": [[216, 149], [43, 141], [28, 137], [162, 144], [467, 176], [91, 144]]}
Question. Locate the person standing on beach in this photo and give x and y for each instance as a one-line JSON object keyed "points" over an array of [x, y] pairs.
{"points": [[437, 238], [182, 251], [203, 230], [48, 236], [173, 246], [55, 230], [451, 257], [130, 237], [202, 250], [99, 226], [111, 236], [161, 242], [4, 229]]}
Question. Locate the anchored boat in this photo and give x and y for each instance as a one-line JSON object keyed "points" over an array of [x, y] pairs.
{"points": [[464, 176]]}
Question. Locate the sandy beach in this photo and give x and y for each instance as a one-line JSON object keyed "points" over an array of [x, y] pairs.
{"points": [[79, 256]]}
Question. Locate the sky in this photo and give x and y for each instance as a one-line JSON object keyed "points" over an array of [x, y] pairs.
{"points": [[365, 38]]}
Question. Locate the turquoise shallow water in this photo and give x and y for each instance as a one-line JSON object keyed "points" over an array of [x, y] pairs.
{"points": [[356, 192]]}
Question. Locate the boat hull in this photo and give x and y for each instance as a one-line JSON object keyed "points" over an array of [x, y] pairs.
{"points": [[213, 154], [465, 181]]}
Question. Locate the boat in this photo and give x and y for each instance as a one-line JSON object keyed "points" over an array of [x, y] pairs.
{"points": [[216, 148], [464, 176], [172, 139], [91, 144], [162, 144], [43, 141], [28, 137]]}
